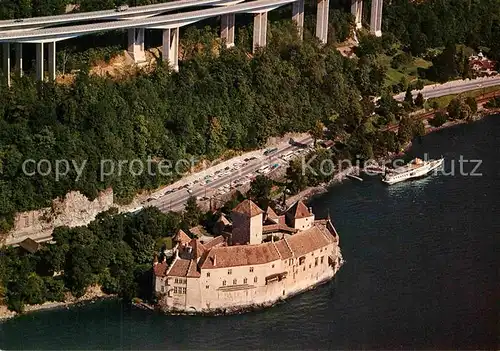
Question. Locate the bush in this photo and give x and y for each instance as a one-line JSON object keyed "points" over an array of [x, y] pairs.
{"points": [[439, 119]]}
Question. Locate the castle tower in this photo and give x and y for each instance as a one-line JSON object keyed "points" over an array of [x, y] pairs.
{"points": [[247, 223], [299, 216]]}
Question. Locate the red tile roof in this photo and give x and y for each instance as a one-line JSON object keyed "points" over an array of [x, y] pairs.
{"points": [[239, 255], [270, 228], [179, 268], [249, 208], [283, 249], [299, 210], [198, 248], [222, 219], [309, 240], [217, 241], [160, 269], [271, 214], [193, 270], [182, 237]]}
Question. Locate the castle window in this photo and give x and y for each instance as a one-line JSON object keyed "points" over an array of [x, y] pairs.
{"points": [[229, 271], [255, 279], [302, 260], [175, 290], [316, 261], [208, 274], [184, 290], [235, 281], [272, 266], [304, 268], [206, 286], [162, 289], [223, 283], [322, 259], [251, 269], [244, 280], [176, 281], [309, 265]]}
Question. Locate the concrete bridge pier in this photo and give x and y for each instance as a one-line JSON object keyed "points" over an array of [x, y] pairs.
{"points": [[259, 30], [136, 44], [322, 21], [171, 47], [39, 61], [19, 58], [227, 29], [298, 16], [6, 61], [52, 61], [357, 12], [376, 18]]}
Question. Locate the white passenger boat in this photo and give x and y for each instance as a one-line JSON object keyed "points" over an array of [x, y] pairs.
{"points": [[415, 169]]}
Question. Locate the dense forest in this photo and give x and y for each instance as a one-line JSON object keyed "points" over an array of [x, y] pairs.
{"points": [[115, 251], [215, 103], [221, 99]]}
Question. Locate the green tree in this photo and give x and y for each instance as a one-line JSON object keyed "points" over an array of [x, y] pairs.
{"points": [[439, 119], [472, 103], [192, 213], [419, 100], [296, 176], [317, 131], [260, 190], [409, 97]]}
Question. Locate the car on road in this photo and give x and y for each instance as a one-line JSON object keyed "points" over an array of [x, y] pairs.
{"points": [[270, 151], [122, 8], [18, 20]]}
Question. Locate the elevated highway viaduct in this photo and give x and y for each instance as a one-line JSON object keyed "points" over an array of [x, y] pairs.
{"points": [[49, 30]]}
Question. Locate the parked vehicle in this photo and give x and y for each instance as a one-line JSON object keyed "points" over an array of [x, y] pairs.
{"points": [[122, 8], [270, 151]]}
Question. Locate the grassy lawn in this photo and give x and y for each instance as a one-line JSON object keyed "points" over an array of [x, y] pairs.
{"points": [[443, 101], [394, 76]]}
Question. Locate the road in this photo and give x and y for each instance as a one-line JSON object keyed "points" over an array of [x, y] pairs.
{"points": [[176, 200], [453, 87], [131, 12], [159, 22]]}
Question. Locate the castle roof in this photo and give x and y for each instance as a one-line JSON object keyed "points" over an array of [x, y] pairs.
{"points": [[179, 268], [272, 228], [309, 240], [271, 214], [217, 241], [239, 255], [222, 219], [160, 269], [182, 237], [299, 210], [249, 208], [198, 248], [283, 249]]}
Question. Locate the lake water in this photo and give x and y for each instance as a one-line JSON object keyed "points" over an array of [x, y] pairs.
{"points": [[421, 272]]}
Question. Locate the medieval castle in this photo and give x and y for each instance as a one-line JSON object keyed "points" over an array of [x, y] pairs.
{"points": [[259, 259]]}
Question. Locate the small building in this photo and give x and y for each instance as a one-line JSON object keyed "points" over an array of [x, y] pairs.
{"points": [[30, 245]]}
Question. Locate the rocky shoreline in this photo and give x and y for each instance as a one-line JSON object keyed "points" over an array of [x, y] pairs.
{"points": [[93, 293]]}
